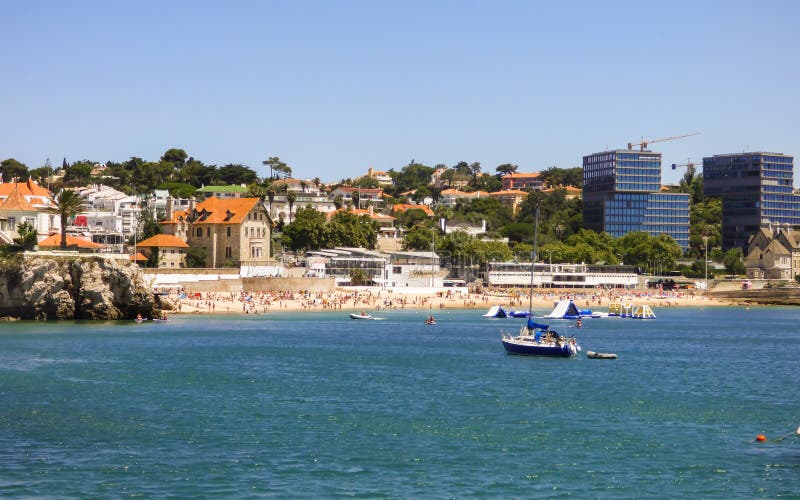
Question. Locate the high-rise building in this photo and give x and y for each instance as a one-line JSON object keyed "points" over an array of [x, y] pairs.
{"points": [[756, 190], [622, 193]]}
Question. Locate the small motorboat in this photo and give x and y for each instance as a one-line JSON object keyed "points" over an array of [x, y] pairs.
{"points": [[430, 321], [600, 355], [362, 315]]}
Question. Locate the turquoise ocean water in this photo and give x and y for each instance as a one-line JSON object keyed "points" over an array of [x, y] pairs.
{"points": [[317, 405]]}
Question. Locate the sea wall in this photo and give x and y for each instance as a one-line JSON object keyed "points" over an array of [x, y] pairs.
{"points": [[765, 296], [73, 287]]}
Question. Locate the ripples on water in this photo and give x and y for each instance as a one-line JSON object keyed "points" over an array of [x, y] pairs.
{"points": [[317, 405]]}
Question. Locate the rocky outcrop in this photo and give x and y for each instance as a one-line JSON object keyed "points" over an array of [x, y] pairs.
{"points": [[79, 287]]}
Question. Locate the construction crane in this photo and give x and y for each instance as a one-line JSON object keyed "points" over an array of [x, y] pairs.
{"points": [[643, 144]]}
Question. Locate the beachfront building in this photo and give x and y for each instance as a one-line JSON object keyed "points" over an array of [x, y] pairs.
{"points": [[165, 250], [233, 232], [756, 191], [26, 202], [773, 253], [518, 275], [622, 193], [403, 269], [528, 181]]}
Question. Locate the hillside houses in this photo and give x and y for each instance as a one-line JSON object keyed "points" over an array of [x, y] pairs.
{"points": [[26, 202], [221, 226]]}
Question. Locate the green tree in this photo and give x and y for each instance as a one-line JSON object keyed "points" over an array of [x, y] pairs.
{"points": [[358, 277], [307, 231], [410, 177], [153, 258], [367, 182], [11, 169], [347, 229], [42, 173], [277, 167], [79, 173], [178, 189], [555, 176], [489, 209], [419, 237], [196, 257], [734, 261], [505, 169], [66, 204], [176, 157], [148, 223], [237, 174], [28, 236]]}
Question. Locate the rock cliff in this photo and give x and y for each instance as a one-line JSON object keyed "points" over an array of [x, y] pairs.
{"points": [[73, 287]]}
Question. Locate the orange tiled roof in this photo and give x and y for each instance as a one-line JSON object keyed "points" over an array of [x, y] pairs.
{"points": [[509, 192], [176, 217], [138, 256], [163, 240], [228, 211], [54, 240], [402, 207], [29, 188], [15, 200], [517, 175]]}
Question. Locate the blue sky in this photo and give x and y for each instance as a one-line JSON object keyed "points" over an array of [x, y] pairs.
{"points": [[334, 87]]}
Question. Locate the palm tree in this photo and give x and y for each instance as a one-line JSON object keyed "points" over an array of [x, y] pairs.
{"points": [[290, 197], [271, 192], [67, 203]]}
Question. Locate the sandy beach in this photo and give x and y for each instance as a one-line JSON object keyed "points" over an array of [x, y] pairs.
{"points": [[370, 301]]}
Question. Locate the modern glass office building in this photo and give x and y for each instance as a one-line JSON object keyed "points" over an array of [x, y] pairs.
{"points": [[756, 190], [621, 193]]}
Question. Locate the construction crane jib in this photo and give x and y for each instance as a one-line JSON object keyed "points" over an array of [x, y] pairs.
{"points": [[643, 144]]}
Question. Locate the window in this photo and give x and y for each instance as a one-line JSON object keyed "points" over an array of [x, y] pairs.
{"points": [[208, 232], [228, 252], [229, 231]]}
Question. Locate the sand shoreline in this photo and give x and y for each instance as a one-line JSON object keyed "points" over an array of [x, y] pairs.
{"points": [[382, 300]]}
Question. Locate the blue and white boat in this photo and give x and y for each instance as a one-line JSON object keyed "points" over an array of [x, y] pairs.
{"points": [[535, 339]]}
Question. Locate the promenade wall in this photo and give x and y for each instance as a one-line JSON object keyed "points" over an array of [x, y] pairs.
{"points": [[228, 280]]}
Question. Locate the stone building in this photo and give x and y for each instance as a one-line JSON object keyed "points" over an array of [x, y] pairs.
{"points": [[234, 232]]}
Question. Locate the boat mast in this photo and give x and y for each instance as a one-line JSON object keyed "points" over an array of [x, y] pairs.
{"points": [[533, 259]]}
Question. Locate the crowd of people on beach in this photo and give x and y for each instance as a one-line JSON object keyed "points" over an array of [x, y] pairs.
{"points": [[260, 302]]}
